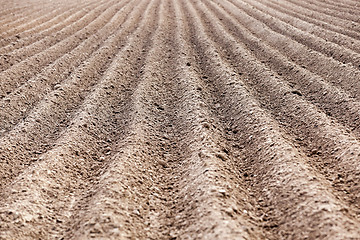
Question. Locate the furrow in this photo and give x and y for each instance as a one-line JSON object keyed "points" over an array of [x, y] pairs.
{"points": [[340, 75], [295, 198], [348, 4], [336, 7], [321, 20], [21, 72], [351, 3], [151, 143], [13, 7], [169, 113], [6, 27], [18, 18], [40, 13], [23, 12], [71, 33], [19, 103], [101, 121], [207, 170], [24, 46], [59, 22], [94, 219], [9, 12], [44, 14], [316, 131], [177, 119], [326, 96], [345, 50], [86, 6], [42, 127], [331, 12]]}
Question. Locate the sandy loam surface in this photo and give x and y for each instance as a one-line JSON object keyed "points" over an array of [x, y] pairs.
{"points": [[178, 119]]}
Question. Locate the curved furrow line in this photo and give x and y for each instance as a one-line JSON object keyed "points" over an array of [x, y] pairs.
{"points": [[21, 72], [18, 6], [347, 4], [209, 166], [28, 37], [315, 14], [8, 60], [9, 13], [38, 13], [13, 6], [42, 127], [8, 3], [316, 131], [330, 12], [101, 121], [96, 219], [71, 33], [342, 49], [25, 22], [295, 199], [87, 6], [314, 87], [344, 76], [351, 3], [336, 25], [19, 17], [152, 129], [7, 40], [11, 9], [177, 119], [297, 27], [17, 105], [332, 6], [318, 5], [23, 3], [89, 221], [54, 25], [336, 4]]}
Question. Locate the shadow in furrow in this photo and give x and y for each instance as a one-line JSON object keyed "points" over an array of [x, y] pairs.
{"points": [[318, 133], [337, 46], [30, 42], [44, 125], [350, 15], [277, 172], [82, 151], [21, 72], [11, 29], [19, 104], [321, 20]]}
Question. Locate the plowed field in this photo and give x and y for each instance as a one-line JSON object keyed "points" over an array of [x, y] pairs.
{"points": [[180, 119]]}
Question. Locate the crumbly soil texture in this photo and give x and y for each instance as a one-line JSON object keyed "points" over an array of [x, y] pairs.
{"points": [[179, 119]]}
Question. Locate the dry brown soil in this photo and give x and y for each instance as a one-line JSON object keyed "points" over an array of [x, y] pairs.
{"points": [[180, 119]]}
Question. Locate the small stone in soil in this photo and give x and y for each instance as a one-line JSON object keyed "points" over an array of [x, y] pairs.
{"points": [[162, 163], [222, 191]]}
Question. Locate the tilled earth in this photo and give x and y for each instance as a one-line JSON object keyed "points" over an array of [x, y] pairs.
{"points": [[179, 119]]}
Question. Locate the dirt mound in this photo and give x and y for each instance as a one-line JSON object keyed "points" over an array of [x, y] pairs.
{"points": [[175, 119]]}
